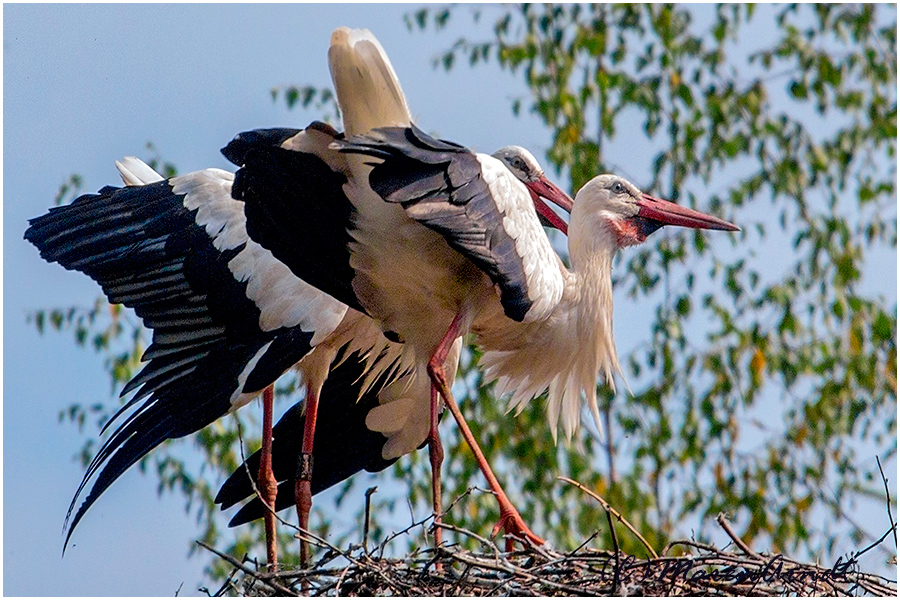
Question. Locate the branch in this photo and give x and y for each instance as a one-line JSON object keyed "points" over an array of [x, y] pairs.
{"points": [[610, 509]]}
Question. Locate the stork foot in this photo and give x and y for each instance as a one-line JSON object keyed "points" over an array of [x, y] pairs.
{"points": [[512, 524]]}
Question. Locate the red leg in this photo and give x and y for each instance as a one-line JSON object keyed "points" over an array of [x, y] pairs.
{"points": [[268, 487], [435, 448], [510, 519], [303, 482], [436, 453]]}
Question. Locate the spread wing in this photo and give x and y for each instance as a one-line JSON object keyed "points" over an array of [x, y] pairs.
{"points": [[227, 316], [475, 203]]}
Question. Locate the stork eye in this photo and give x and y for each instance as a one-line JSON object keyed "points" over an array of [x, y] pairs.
{"points": [[618, 188], [518, 163]]}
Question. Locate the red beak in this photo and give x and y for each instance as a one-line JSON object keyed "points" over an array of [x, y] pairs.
{"points": [[545, 189], [669, 213]]}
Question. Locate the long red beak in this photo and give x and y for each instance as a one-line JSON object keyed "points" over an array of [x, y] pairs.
{"points": [[669, 213], [544, 188]]}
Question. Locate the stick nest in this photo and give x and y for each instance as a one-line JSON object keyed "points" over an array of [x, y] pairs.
{"points": [[684, 568]]}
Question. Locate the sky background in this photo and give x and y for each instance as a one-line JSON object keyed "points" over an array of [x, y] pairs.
{"points": [[85, 85]]}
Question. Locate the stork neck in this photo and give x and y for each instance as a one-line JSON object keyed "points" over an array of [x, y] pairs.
{"points": [[591, 249]]}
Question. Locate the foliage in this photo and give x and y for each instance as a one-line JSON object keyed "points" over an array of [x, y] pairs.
{"points": [[763, 394], [309, 97], [797, 142]]}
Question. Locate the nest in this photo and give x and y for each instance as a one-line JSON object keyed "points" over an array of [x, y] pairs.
{"points": [[683, 568]]}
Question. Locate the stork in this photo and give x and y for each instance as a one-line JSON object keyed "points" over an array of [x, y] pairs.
{"points": [[571, 341], [562, 352], [228, 317], [465, 227], [461, 225], [280, 181], [275, 179]]}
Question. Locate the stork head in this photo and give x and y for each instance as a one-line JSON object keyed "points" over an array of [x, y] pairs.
{"points": [[627, 216], [525, 167]]}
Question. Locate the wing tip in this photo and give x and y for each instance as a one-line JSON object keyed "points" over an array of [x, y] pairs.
{"points": [[368, 91]]}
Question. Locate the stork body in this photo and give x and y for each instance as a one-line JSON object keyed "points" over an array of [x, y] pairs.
{"points": [[209, 270], [272, 181], [450, 276], [275, 178], [543, 307], [227, 317]]}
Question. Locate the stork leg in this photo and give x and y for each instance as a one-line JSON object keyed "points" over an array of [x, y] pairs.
{"points": [[436, 454], [510, 519], [268, 487], [303, 481]]}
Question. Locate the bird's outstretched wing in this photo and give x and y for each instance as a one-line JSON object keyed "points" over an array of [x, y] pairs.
{"points": [[475, 203], [227, 316]]}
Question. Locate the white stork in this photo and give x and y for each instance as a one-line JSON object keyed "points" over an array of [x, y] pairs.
{"points": [[281, 183], [275, 177], [463, 231], [219, 271], [228, 317]]}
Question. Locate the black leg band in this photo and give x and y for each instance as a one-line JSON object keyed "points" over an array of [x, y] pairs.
{"points": [[304, 466]]}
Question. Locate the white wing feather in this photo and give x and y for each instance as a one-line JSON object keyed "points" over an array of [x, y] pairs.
{"points": [[134, 171], [368, 91]]}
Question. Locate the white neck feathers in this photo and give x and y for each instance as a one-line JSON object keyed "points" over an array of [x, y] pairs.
{"points": [[563, 353]]}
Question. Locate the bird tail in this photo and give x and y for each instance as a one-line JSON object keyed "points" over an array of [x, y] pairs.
{"points": [[368, 91], [344, 445]]}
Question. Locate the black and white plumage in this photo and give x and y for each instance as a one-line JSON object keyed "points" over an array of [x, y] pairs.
{"points": [[218, 267], [451, 210], [227, 317], [208, 262], [560, 337], [461, 225], [369, 95], [355, 430], [471, 201], [402, 418]]}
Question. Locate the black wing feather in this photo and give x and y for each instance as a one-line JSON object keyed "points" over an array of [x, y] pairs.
{"points": [[145, 249], [440, 185], [297, 209]]}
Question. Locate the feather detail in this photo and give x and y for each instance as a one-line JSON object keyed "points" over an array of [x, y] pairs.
{"points": [[562, 354], [134, 171], [367, 87]]}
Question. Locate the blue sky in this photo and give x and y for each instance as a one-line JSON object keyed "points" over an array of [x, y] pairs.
{"points": [[87, 84]]}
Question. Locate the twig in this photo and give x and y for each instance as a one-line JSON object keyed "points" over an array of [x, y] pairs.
{"points": [[693, 543], [583, 572], [612, 532], [610, 509], [255, 574], [887, 493], [486, 542], [723, 522], [584, 543], [226, 584], [369, 493], [859, 553]]}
